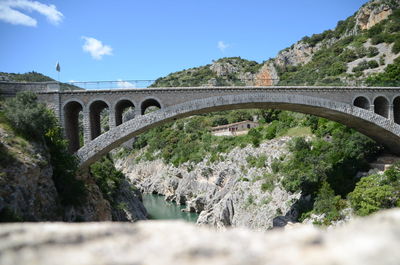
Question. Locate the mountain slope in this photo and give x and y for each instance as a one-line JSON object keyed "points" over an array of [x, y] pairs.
{"points": [[360, 50]]}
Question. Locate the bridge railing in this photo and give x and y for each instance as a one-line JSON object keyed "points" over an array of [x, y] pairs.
{"points": [[225, 82]]}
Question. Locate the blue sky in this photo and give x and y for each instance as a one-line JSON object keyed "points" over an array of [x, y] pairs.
{"points": [[147, 39]]}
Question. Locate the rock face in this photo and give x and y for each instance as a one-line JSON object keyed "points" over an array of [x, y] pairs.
{"points": [[372, 13], [129, 206], [27, 189], [226, 192], [371, 241], [26, 186]]}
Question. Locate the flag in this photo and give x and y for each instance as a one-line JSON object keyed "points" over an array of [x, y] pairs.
{"points": [[58, 67]]}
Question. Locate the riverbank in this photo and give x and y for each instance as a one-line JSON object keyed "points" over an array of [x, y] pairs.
{"points": [[160, 209]]}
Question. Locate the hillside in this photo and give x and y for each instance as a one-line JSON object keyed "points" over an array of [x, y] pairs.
{"points": [[360, 50], [36, 77]]}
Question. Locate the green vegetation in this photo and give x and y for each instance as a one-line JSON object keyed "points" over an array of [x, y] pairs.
{"points": [[108, 178], [324, 166], [390, 77], [27, 77], [36, 77], [203, 75], [328, 65], [377, 191], [34, 122], [190, 139], [258, 162]]}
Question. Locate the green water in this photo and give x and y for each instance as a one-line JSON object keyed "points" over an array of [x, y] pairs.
{"points": [[159, 209]]}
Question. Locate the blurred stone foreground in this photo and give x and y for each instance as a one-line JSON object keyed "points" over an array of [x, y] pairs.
{"points": [[371, 240]]}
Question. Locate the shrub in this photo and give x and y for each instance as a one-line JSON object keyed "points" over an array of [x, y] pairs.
{"points": [[258, 162], [107, 177], [372, 51], [28, 117], [34, 121], [373, 64], [371, 195], [268, 183], [396, 47], [71, 190]]}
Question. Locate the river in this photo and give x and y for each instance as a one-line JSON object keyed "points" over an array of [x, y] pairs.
{"points": [[159, 209]]}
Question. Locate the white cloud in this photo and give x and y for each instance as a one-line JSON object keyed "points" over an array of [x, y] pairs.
{"points": [[10, 14], [222, 45], [125, 84], [96, 48]]}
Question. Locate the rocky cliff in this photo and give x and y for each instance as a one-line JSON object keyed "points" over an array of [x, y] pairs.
{"points": [[28, 191], [233, 191], [371, 241]]}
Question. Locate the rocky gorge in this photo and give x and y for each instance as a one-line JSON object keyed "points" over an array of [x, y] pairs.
{"points": [[228, 192]]}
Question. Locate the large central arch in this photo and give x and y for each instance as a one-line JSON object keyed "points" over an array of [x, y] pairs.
{"points": [[373, 125]]}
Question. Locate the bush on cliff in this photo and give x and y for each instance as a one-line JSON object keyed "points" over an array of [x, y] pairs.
{"points": [[377, 191], [34, 121], [107, 177]]}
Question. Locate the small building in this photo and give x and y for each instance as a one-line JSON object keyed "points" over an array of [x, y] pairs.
{"points": [[233, 129]]}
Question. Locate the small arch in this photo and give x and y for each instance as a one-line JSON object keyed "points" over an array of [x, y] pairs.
{"points": [[98, 110], [381, 106], [362, 102], [396, 110], [150, 102], [121, 107], [73, 125]]}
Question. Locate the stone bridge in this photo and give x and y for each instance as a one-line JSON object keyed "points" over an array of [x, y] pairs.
{"points": [[374, 112]]}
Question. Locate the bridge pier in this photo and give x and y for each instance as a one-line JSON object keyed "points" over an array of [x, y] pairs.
{"points": [[391, 113], [111, 119], [86, 126]]}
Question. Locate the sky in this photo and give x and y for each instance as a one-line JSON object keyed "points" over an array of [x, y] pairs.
{"points": [[97, 40]]}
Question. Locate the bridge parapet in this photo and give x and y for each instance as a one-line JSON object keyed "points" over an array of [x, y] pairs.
{"points": [[10, 89]]}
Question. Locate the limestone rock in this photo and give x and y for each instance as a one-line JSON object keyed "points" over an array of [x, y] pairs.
{"points": [[129, 206], [372, 13], [225, 193], [370, 241]]}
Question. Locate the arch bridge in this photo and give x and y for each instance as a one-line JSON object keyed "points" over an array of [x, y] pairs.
{"points": [[374, 112]]}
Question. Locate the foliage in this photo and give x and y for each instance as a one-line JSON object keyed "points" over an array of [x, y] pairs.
{"points": [[107, 177], [334, 161], [71, 190], [390, 77], [28, 117], [258, 162], [326, 202], [27, 77], [35, 122], [203, 75], [377, 191], [190, 139], [328, 64]]}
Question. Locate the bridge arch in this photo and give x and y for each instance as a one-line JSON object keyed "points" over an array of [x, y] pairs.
{"points": [[373, 125], [119, 108], [70, 114], [95, 107], [150, 102], [381, 106], [362, 102], [396, 109]]}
